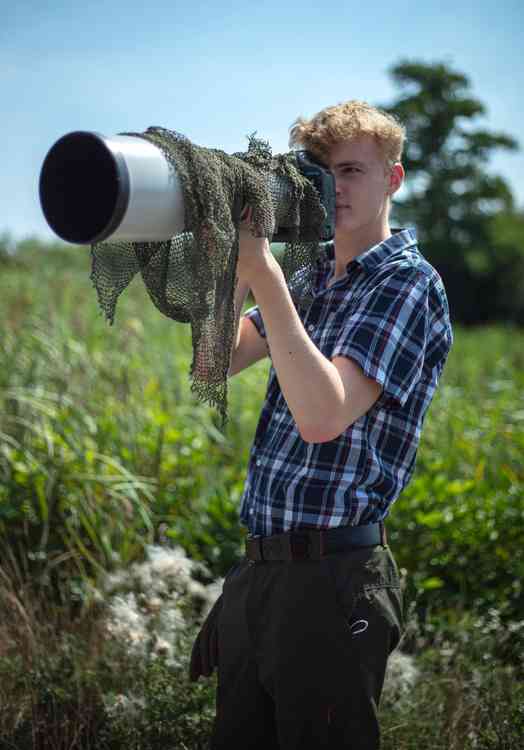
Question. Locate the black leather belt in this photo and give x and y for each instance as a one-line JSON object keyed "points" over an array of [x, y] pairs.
{"points": [[312, 544]]}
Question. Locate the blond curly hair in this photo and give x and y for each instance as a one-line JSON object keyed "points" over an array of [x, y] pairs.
{"points": [[347, 121]]}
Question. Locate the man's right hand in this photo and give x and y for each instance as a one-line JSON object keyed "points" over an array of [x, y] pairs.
{"points": [[204, 655]]}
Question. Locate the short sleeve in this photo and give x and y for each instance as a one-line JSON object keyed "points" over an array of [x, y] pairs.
{"points": [[386, 332], [256, 318]]}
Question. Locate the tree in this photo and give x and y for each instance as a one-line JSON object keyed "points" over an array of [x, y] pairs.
{"points": [[451, 198]]}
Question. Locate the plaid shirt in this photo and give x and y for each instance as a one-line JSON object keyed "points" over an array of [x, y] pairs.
{"points": [[390, 314]]}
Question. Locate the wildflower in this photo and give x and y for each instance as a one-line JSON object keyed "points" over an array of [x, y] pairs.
{"points": [[151, 605], [401, 676]]}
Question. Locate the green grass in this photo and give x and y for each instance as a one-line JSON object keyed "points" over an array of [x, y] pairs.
{"points": [[103, 450]]}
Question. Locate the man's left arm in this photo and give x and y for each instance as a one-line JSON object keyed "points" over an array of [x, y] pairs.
{"points": [[323, 396]]}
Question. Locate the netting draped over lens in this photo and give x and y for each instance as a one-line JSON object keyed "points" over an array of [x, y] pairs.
{"points": [[191, 278]]}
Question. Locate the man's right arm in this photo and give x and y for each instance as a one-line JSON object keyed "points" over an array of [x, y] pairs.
{"points": [[248, 345]]}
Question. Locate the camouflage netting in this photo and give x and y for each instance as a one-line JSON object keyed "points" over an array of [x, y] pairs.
{"points": [[191, 278]]}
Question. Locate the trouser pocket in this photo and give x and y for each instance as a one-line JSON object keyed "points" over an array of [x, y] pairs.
{"points": [[366, 587]]}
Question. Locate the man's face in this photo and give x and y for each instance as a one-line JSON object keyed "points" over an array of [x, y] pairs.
{"points": [[363, 185]]}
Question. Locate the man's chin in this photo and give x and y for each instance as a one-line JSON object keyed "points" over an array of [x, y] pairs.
{"points": [[346, 223]]}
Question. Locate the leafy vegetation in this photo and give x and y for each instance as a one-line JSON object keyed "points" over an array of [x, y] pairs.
{"points": [[103, 450]]}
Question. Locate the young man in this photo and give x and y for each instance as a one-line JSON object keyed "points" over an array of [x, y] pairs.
{"points": [[308, 619]]}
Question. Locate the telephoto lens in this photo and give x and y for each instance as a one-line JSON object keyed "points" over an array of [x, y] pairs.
{"points": [[122, 188]]}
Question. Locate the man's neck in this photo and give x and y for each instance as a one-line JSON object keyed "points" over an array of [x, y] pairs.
{"points": [[350, 246]]}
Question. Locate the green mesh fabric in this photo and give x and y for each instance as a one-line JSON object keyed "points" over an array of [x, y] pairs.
{"points": [[191, 278]]}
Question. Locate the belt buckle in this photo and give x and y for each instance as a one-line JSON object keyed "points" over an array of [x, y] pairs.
{"points": [[273, 547]]}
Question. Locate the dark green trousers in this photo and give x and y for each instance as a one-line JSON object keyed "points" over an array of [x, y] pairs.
{"points": [[303, 648]]}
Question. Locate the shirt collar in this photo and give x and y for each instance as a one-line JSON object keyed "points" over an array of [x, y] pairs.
{"points": [[401, 239]]}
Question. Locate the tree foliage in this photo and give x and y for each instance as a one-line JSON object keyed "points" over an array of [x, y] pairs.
{"points": [[466, 218]]}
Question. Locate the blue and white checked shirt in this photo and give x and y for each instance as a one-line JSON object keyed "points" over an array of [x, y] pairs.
{"points": [[390, 314]]}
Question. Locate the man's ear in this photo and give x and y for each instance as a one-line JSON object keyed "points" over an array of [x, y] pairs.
{"points": [[396, 177]]}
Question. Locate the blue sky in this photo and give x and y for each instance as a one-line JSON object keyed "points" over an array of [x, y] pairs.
{"points": [[219, 71]]}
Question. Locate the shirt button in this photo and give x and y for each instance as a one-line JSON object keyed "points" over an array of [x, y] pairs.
{"points": [[311, 327], [251, 512], [258, 462]]}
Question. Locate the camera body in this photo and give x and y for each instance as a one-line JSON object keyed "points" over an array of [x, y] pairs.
{"points": [[324, 182]]}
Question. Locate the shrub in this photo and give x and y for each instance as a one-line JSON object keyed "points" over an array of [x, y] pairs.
{"points": [[458, 527], [110, 675], [468, 692]]}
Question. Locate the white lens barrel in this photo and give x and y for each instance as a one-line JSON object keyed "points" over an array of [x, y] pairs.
{"points": [[155, 209], [94, 188]]}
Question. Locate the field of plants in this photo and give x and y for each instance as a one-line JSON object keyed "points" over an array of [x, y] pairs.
{"points": [[119, 518]]}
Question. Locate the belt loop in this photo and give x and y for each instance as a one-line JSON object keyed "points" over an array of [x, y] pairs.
{"points": [[317, 547], [383, 537]]}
